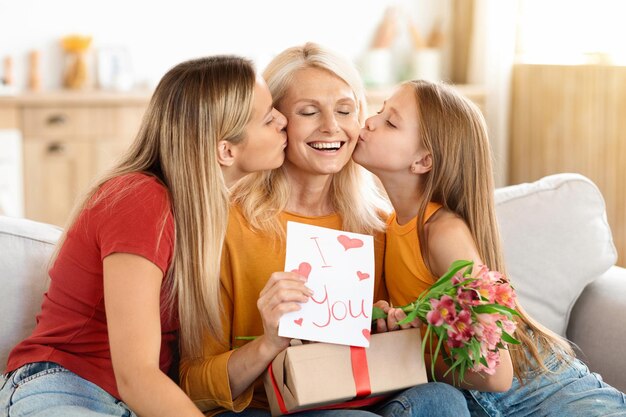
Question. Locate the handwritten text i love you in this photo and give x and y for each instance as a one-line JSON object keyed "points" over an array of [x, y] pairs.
{"points": [[339, 267]]}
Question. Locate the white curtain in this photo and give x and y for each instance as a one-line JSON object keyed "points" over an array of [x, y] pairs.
{"points": [[492, 54]]}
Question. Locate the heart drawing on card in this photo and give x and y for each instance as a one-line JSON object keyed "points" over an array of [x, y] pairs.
{"points": [[349, 243], [366, 334], [304, 269], [362, 275], [298, 321]]}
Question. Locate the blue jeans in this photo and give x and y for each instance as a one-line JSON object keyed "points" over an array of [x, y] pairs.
{"points": [[434, 399], [46, 389], [571, 391]]}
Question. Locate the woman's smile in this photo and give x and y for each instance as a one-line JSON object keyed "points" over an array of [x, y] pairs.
{"points": [[326, 147]]}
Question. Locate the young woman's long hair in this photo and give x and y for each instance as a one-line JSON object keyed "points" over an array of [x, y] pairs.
{"points": [[195, 105], [453, 130], [353, 192]]}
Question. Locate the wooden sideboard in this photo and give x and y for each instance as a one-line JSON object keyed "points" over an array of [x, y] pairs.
{"points": [[68, 139]]}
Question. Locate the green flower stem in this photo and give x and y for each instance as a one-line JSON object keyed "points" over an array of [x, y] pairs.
{"points": [[245, 337]]}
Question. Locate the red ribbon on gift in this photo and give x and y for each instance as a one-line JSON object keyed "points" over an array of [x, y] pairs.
{"points": [[360, 371], [361, 376]]}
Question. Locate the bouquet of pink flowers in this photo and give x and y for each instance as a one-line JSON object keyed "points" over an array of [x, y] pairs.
{"points": [[468, 318]]}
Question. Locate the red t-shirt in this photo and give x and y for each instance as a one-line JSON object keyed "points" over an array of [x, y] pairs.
{"points": [[129, 214]]}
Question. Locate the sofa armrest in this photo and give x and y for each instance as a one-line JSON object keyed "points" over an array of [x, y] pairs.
{"points": [[597, 328]]}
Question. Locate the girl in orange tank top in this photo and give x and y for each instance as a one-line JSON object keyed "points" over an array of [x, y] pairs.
{"points": [[429, 147]]}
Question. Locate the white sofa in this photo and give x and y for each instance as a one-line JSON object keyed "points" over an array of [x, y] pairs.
{"points": [[559, 253]]}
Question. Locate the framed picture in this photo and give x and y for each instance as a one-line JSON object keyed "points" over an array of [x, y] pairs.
{"points": [[114, 68]]}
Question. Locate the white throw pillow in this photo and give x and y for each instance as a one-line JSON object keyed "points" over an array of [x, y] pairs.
{"points": [[556, 241]]}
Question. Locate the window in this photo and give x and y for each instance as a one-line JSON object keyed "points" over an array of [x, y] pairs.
{"points": [[572, 32]]}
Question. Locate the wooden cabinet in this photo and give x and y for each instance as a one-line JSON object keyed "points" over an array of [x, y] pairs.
{"points": [[69, 139], [570, 118], [55, 173]]}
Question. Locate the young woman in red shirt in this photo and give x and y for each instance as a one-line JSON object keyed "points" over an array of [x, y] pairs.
{"points": [[139, 261]]}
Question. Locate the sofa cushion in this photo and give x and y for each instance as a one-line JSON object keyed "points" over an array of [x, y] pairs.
{"points": [[597, 331], [26, 247], [556, 241]]}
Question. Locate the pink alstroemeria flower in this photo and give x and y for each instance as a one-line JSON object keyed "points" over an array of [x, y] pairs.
{"points": [[457, 279], [495, 276], [442, 310], [489, 332], [468, 296], [508, 326], [504, 295], [484, 284], [493, 360], [460, 330], [487, 290], [482, 273], [478, 330]]}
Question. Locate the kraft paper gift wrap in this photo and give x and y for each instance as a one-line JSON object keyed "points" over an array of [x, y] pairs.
{"points": [[319, 375]]}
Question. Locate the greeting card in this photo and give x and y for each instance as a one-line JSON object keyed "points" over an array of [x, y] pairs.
{"points": [[339, 267]]}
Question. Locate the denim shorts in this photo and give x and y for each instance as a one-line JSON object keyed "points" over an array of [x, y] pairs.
{"points": [[571, 391], [46, 389]]}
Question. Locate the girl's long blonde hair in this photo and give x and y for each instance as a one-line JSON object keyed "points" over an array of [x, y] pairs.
{"points": [[195, 105], [453, 130], [353, 192]]}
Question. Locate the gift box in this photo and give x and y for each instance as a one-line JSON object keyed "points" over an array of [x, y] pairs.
{"points": [[324, 375]]}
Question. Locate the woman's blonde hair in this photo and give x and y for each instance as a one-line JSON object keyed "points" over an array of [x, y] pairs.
{"points": [[452, 129], [195, 105], [353, 192]]}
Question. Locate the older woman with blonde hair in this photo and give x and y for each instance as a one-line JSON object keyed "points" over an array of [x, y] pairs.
{"points": [[139, 261], [322, 96]]}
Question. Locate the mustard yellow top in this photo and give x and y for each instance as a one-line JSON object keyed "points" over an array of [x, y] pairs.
{"points": [[248, 260], [406, 274]]}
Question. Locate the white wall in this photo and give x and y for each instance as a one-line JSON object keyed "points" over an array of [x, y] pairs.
{"points": [[159, 34]]}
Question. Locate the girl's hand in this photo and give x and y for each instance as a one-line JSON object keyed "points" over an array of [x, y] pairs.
{"points": [[282, 294], [394, 315]]}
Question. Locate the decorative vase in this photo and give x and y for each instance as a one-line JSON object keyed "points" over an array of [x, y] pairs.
{"points": [[76, 70]]}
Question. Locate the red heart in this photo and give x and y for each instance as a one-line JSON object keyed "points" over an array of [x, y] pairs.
{"points": [[366, 334], [304, 269], [348, 243], [298, 322], [362, 275]]}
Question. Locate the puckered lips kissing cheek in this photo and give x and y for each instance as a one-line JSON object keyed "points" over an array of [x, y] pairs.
{"points": [[363, 136], [362, 154], [361, 142], [283, 134]]}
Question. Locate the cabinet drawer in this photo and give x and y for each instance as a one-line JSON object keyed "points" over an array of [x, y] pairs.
{"points": [[56, 122], [65, 122]]}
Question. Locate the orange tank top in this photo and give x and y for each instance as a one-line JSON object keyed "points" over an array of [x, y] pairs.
{"points": [[406, 273]]}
